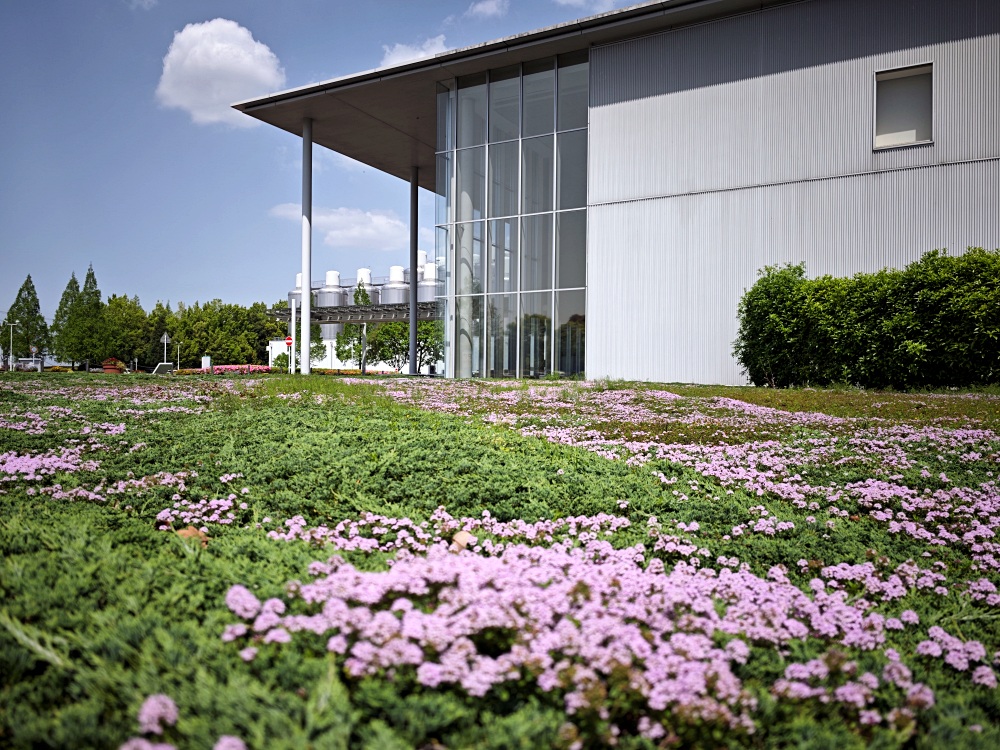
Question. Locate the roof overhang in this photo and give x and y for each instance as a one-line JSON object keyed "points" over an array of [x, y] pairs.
{"points": [[387, 118]]}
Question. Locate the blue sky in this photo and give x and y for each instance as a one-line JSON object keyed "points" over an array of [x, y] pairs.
{"points": [[117, 146]]}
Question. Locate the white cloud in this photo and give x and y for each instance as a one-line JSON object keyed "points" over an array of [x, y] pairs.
{"points": [[142, 4], [338, 160], [591, 6], [353, 228], [401, 53], [488, 9], [211, 65]]}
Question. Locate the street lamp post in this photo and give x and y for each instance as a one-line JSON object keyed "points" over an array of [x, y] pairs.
{"points": [[11, 352]]}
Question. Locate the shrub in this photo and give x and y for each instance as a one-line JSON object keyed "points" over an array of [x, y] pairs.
{"points": [[934, 323]]}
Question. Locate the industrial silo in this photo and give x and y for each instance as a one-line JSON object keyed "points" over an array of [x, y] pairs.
{"points": [[427, 286], [365, 280], [396, 290], [295, 300], [331, 295]]}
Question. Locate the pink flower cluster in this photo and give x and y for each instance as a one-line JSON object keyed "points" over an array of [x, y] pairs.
{"points": [[233, 370], [159, 710], [834, 679], [958, 654], [373, 532], [221, 511], [574, 618], [767, 523], [14, 466]]}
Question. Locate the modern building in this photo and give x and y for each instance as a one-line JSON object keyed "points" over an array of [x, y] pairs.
{"points": [[608, 188]]}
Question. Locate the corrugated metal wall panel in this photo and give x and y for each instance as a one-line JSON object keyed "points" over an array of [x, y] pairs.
{"points": [[721, 148], [785, 94], [665, 276]]}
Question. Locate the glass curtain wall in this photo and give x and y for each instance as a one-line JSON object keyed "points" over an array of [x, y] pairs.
{"points": [[512, 219]]}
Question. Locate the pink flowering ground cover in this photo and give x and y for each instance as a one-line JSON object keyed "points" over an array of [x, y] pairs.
{"points": [[418, 563]]}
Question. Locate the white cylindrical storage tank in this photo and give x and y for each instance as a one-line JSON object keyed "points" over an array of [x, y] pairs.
{"points": [[396, 291], [421, 262], [365, 279], [331, 295], [296, 293], [427, 288]]}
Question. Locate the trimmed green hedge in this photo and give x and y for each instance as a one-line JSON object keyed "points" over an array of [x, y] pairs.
{"points": [[935, 323]]}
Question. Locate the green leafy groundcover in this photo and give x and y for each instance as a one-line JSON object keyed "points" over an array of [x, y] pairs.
{"points": [[106, 608]]}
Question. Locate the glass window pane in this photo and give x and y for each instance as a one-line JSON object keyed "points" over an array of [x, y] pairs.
{"points": [[536, 252], [904, 106], [571, 249], [501, 269], [537, 174], [505, 105], [445, 255], [471, 183], [503, 179], [539, 97], [468, 336], [469, 258], [472, 110], [434, 332], [445, 117], [573, 91], [442, 201], [501, 336], [571, 169], [536, 332], [571, 333]]}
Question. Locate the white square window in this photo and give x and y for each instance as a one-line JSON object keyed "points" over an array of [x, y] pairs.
{"points": [[904, 107]]}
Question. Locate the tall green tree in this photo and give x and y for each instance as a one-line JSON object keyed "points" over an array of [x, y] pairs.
{"points": [[30, 329], [126, 327], [263, 329], [390, 343], [59, 332], [354, 343], [161, 320], [86, 323], [430, 343]]}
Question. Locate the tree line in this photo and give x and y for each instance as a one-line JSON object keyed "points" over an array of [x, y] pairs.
{"points": [[86, 329]]}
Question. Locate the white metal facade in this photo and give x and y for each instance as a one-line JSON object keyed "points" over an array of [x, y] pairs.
{"points": [[720, 148]]}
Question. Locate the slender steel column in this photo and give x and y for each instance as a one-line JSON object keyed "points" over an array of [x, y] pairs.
{"points": [[291, 350], [414, 274], [306, 317]]}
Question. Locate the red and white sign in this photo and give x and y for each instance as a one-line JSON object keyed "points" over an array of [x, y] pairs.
{"points": [[288, 340]]}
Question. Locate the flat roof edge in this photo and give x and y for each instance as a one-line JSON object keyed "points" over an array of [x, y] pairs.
{"points": [[578, 27]]}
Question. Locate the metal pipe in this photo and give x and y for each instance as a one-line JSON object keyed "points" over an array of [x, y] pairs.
{"points": [[307, 136]]}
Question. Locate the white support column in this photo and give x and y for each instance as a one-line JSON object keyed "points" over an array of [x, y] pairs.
{"points": [[291, 351], [414, 188], [306, 316]]}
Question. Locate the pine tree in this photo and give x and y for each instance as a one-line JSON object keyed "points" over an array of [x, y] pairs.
{"points": [[86, 322], [30, 329], [59, 331], [352, 343]]}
